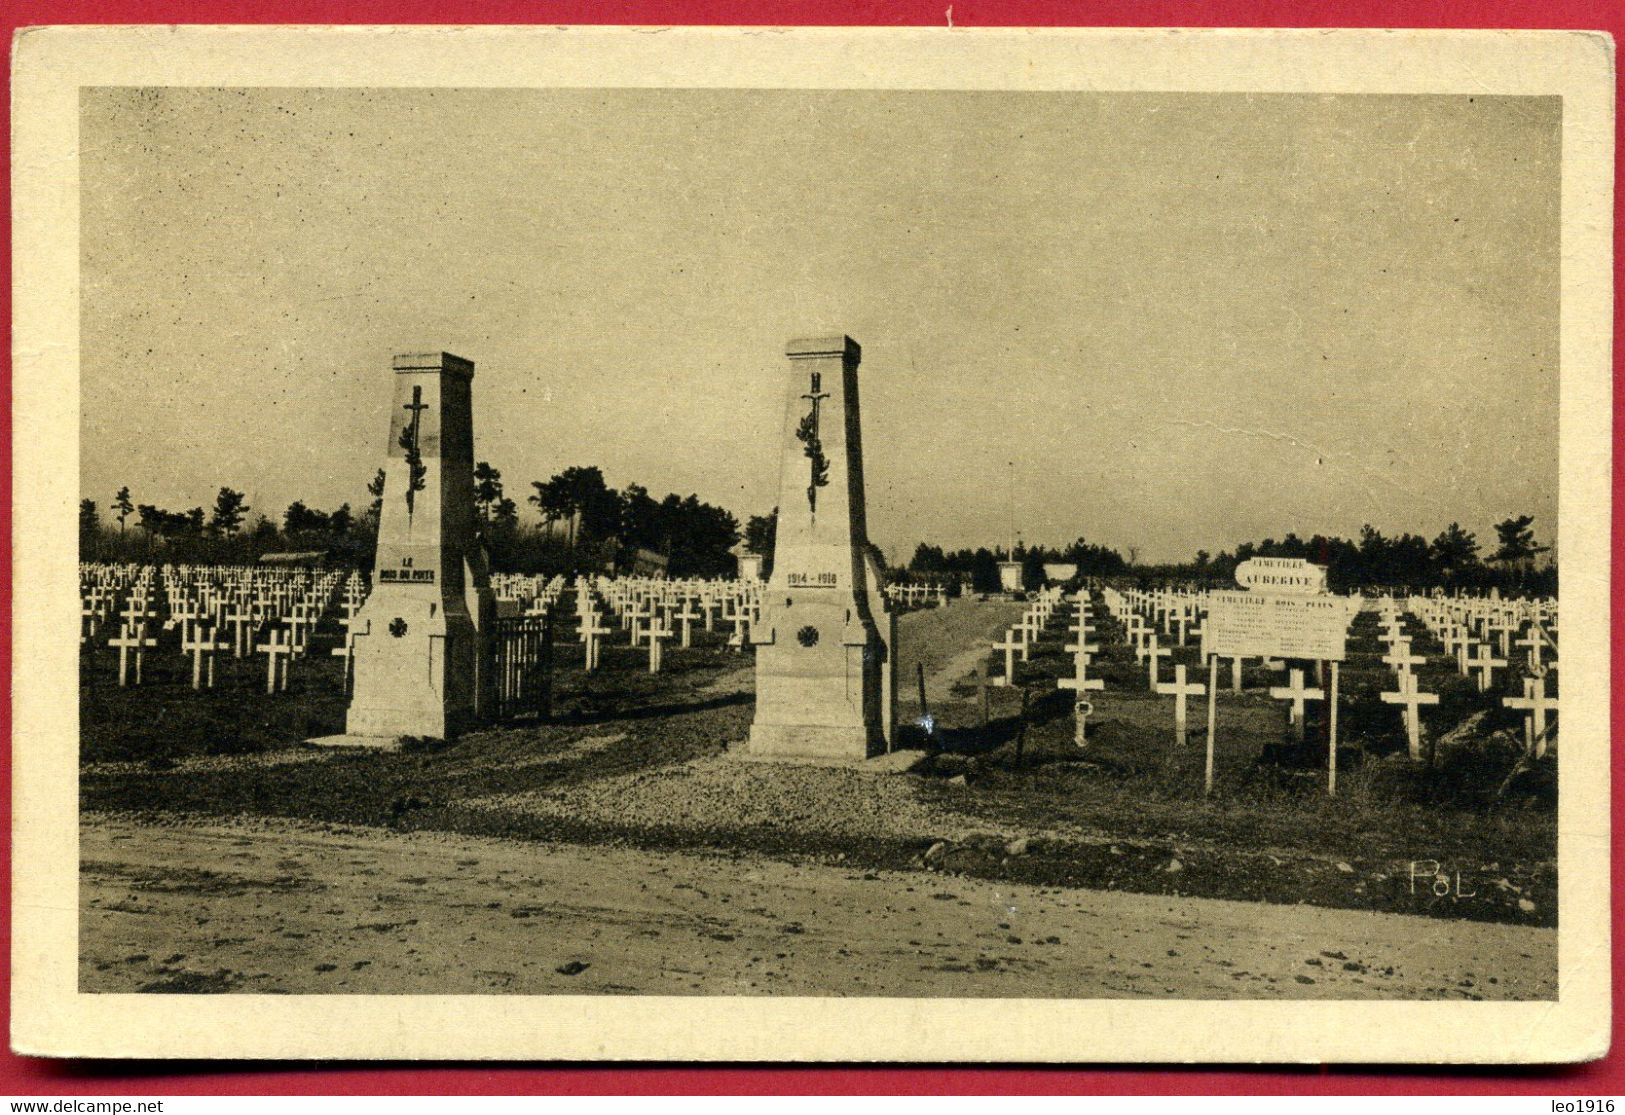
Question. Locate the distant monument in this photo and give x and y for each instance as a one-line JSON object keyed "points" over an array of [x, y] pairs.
{"points": [[825, 667], [750, 565], [1011, 569], [1010, 575], [419, 666], [1060, 571]]}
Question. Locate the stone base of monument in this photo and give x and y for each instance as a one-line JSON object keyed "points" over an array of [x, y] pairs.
{"points": [[813, 741], [370, 743], [886, 762]]}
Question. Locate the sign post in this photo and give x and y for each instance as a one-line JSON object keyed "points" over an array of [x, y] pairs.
{"points": [[1331, 738], [1212, 720], [1282, 612]]}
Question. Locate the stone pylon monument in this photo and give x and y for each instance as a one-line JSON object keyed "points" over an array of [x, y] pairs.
{"points": [[419, 659], [825, 671]]}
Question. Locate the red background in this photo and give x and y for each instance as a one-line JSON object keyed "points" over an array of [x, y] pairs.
{"points": [[29, 1076]]}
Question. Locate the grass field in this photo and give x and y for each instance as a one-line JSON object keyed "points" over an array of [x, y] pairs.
{"points": [[638, 760]]}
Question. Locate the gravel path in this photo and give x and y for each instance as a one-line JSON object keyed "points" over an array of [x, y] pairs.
{"points": [[721, 792]]}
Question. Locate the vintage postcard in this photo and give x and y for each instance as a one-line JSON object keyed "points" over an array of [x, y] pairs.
{"points": [[706, 544]]}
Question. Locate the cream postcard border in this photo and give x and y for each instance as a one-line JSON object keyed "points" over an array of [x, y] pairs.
{"points": [[51, 1018]]}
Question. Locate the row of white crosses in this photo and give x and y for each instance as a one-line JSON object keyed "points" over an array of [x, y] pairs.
{"points": [[522, 636], [655, 611], [1082, 651], [590, 626], [1144, 610], [651, 611], [1480, 634], [200, 602], [205, 602], [1142, 613], [911, 594], [526, 595], [1020, 638], [1398, 658], [1484, 634], [1178, 614]]}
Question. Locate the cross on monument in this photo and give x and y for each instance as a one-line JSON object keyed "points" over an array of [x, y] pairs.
{"points": [[414, 457], [814, 447], [417, 406]]}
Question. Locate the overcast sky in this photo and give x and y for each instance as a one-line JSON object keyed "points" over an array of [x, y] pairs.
{"points": [[1189, 320]]}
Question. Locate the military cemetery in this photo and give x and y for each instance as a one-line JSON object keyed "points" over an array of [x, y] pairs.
{"points": [[825, 727], [1018, 723]]}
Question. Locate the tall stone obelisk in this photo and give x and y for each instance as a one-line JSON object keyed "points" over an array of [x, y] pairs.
{"points": [[419, 662], [825, 671]]}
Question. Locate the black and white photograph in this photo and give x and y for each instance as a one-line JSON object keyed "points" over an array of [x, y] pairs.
{"points": [[587, 541]]}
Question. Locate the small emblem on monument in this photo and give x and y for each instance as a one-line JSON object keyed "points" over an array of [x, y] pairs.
{"points": [[807, 636], [397, 627]]}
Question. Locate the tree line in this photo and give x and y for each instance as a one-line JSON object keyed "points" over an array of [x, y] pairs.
{"points": [[603, 528], [979, 568], [583, 526], [1454, 560]]}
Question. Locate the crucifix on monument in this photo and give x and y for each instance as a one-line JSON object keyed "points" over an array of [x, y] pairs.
{"points": [[413, 454], [813, 445]]}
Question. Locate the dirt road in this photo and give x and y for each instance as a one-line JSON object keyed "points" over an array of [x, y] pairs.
{"points": [[281, 907], [950, 643]]}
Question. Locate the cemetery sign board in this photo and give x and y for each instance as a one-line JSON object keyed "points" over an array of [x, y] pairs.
{"points": [[1282, 575], [1251, 625]]}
